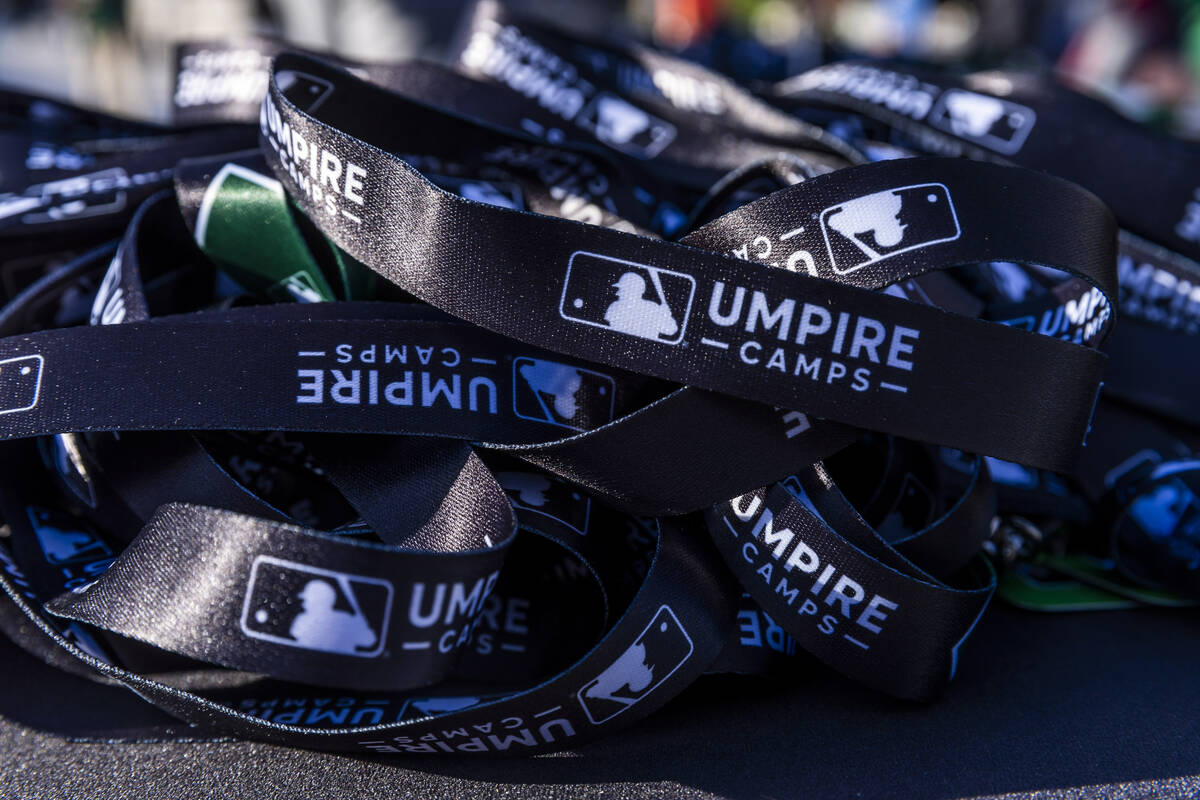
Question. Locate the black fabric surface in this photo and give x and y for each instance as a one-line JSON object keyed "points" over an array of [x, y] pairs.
{"points": [[1087, 705]]}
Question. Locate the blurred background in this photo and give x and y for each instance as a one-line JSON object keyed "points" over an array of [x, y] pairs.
{"points": [[1142, 55]]}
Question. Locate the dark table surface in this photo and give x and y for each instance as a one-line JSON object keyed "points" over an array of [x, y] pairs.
{"points": [[1081, 705]]}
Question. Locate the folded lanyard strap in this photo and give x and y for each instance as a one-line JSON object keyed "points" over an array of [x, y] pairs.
{"points": [[1150, 403], [724, 323], [718, 370], [548, 282]]}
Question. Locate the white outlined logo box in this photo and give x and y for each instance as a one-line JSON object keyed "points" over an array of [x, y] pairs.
{"points": [[539, 493], [992, 122], [628, 297], [625, 127], [659, 651], [563, 395], [317, 609], [871, 228], [20, 383]]}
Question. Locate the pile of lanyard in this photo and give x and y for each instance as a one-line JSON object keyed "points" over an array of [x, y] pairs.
{"points": [[483, 407]]}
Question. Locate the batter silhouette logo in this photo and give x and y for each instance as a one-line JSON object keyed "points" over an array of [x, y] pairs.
{"points": [[423, 707], [659, 650], [316, 609], [20, 383], [542, 494], [502, 194], [625, 296], [560, 394], [299, 287], [1170, 510], [990, 122], [625, 127], [307, 91], [76, 197], [871, 228]]}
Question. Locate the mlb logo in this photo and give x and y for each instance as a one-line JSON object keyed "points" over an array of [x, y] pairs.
{"points": [[560, 394], [655, 655], [957, 460], [78, 197], [502, 194], [668, 219], [316, 609], [625, 127], [627, 297], [985, 120], [868, 229], [792, 484], [62, 540], [796, 489], [542, 494], [20, 383], [1010, 474], [424, 707], [299, 287], [1139, 465], [306, 91], [1169, 510]]}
